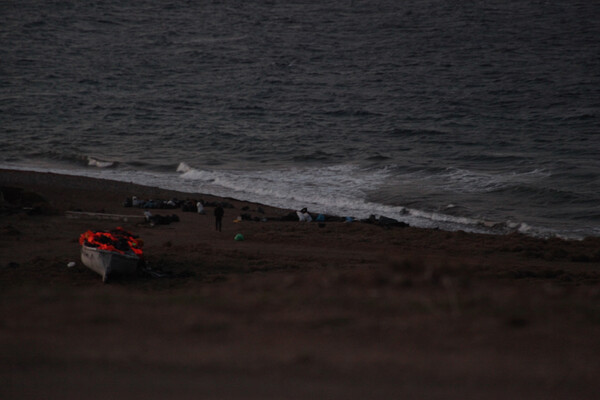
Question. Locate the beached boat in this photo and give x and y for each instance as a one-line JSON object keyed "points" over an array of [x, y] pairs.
{"points": [[108, 263], [116, 252]]}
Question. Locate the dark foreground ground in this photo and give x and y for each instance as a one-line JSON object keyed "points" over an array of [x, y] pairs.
{"points": [[295, 311]]}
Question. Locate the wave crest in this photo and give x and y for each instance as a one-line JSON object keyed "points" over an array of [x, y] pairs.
{"points": [[93, 162]]}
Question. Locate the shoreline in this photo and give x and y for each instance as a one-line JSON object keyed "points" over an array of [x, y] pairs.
{"points": [[475, 226], [296, 310]]}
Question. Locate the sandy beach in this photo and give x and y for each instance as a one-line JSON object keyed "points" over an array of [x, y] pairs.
{"points": [[295, 311]]}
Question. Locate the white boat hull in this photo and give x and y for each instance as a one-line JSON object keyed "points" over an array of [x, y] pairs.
{"points": [[108, 263]]}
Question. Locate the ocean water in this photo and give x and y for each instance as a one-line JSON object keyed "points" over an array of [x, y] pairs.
{"points": [[476, 115]]}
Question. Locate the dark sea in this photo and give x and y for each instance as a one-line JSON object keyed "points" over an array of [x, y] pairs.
{"points": [[474, 115]]}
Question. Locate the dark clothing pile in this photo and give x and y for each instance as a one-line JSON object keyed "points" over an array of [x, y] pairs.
{"points": [[184, 205], [158, 219], [152, 203]]}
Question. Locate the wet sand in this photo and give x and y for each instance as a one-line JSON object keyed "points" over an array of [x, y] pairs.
{"points": [[295, 311]]}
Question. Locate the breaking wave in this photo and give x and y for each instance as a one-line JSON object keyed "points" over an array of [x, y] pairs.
{"points": [[93, 162], [68, 159], [340, 190], [330, 189]]}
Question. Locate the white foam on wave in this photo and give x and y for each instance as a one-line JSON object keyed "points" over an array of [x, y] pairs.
{"points": [[92, 162], [183, 167], [337, 190], [332, 189]]}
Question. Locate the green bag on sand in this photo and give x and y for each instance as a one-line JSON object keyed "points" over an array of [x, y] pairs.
{"points": [[239, 237]]}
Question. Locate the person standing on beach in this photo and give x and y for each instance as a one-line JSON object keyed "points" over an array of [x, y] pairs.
{"points": [[219, 212]]}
